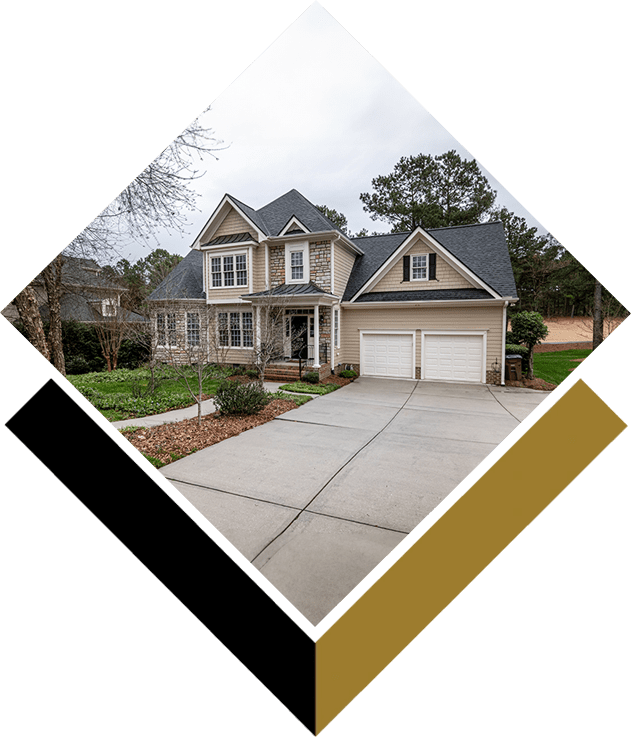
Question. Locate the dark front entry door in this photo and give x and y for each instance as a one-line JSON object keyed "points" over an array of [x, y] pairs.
{"points": [[299, 336]]}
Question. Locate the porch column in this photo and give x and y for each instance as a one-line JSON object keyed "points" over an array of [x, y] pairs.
{"points": [[316, 336]]}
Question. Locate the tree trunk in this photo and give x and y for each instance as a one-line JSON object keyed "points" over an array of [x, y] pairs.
{"points": [[26, 305], [52, 282], [597, 334], [531, 373]]}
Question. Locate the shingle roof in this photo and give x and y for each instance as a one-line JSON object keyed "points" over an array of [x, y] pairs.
{"points": [[424, 295], [481, 248], [273, 217], [185, 281], [377, 250], [83, 308], [287, 289]]}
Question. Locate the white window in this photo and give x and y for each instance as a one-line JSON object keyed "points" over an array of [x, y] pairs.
{"points": [[192, 328], [229, 271], [108, 307], [419, 267], [297, 267], [235, 329], [297, 263], [166, 329]]}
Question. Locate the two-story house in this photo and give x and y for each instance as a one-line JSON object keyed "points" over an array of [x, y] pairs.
{"points": [[426, 304]]}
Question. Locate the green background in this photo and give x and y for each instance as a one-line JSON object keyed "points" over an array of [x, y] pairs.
{"points": [[92, 643]]}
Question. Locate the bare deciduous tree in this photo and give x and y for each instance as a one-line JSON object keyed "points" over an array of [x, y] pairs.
{"points": [[159, 198]]}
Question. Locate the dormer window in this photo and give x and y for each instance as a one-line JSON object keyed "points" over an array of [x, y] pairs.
{"points": [[419, 267], [297, 263]]}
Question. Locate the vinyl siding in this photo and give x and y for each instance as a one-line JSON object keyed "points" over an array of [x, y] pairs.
{"points": [[343, 264], [422, 318], [446, 276], [233, 223]]}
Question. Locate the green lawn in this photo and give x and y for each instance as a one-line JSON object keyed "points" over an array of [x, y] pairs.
{"points": [[303, 388], [112, 393], [556, 365]]}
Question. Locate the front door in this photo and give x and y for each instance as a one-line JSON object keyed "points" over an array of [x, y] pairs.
{"points": [[299, 336]]}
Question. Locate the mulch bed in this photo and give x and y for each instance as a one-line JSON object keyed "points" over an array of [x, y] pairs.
{"points": [[339, 380], [539, 384], [171, 442]]}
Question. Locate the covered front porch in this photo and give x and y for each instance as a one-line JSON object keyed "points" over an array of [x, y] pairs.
{"points": [[300, 330]]}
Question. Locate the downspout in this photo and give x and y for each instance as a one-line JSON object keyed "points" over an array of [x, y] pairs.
{"points": [[503, 356]]}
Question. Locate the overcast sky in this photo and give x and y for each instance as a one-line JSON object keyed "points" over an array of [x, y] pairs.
{"points": [[325, 123]]}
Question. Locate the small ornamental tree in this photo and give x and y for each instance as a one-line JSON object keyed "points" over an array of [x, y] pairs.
{"points": [[529, 329]]}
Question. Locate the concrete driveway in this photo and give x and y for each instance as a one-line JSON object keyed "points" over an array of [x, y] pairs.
{"points": [[316, 498]]}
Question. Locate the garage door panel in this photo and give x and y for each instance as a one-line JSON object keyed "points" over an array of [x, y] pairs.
{"points": [[386, 354], [453, 358]]}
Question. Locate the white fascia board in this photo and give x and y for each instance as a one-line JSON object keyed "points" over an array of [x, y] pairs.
{"points": [[226, 202], [233, 301], [299, 300], [227, 247], [433, 243], [427, 303], [294, 221], [349, 244]]}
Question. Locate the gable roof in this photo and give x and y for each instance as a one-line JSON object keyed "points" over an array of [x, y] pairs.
{"points": [[185, 281], [481, 248]]}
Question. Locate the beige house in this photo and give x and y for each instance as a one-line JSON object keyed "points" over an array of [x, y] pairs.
{"points": [[426, 304]]}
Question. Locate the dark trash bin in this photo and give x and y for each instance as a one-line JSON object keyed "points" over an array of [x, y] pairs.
{"points": [[513, 367]]}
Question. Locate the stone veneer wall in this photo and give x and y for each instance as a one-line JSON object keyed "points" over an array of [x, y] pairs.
{"points": [[493, 377], [325, 332], [320, 264], [276, 265]]}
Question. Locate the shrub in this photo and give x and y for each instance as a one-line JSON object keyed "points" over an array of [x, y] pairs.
{"points": [[252, 373], [530, 329], [311, 377], [510, 338], [77, 365], [234, 398], [348, 374], [517, 350]]}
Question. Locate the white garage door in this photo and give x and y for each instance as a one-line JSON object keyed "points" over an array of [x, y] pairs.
{"points": [[387, 355], [453, 357]]}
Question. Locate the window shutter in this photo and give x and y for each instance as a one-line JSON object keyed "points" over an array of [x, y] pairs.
{"points": [[432, 266], [406, 268]]}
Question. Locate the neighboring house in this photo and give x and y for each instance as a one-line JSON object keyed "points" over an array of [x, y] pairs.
{"points": [[87, 295], [426, 304]]}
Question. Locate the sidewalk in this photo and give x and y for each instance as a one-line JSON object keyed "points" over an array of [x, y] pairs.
{"points": [[187, 413]]}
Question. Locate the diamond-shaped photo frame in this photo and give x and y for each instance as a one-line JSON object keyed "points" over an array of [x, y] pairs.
{"points": [[612, 349]]}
